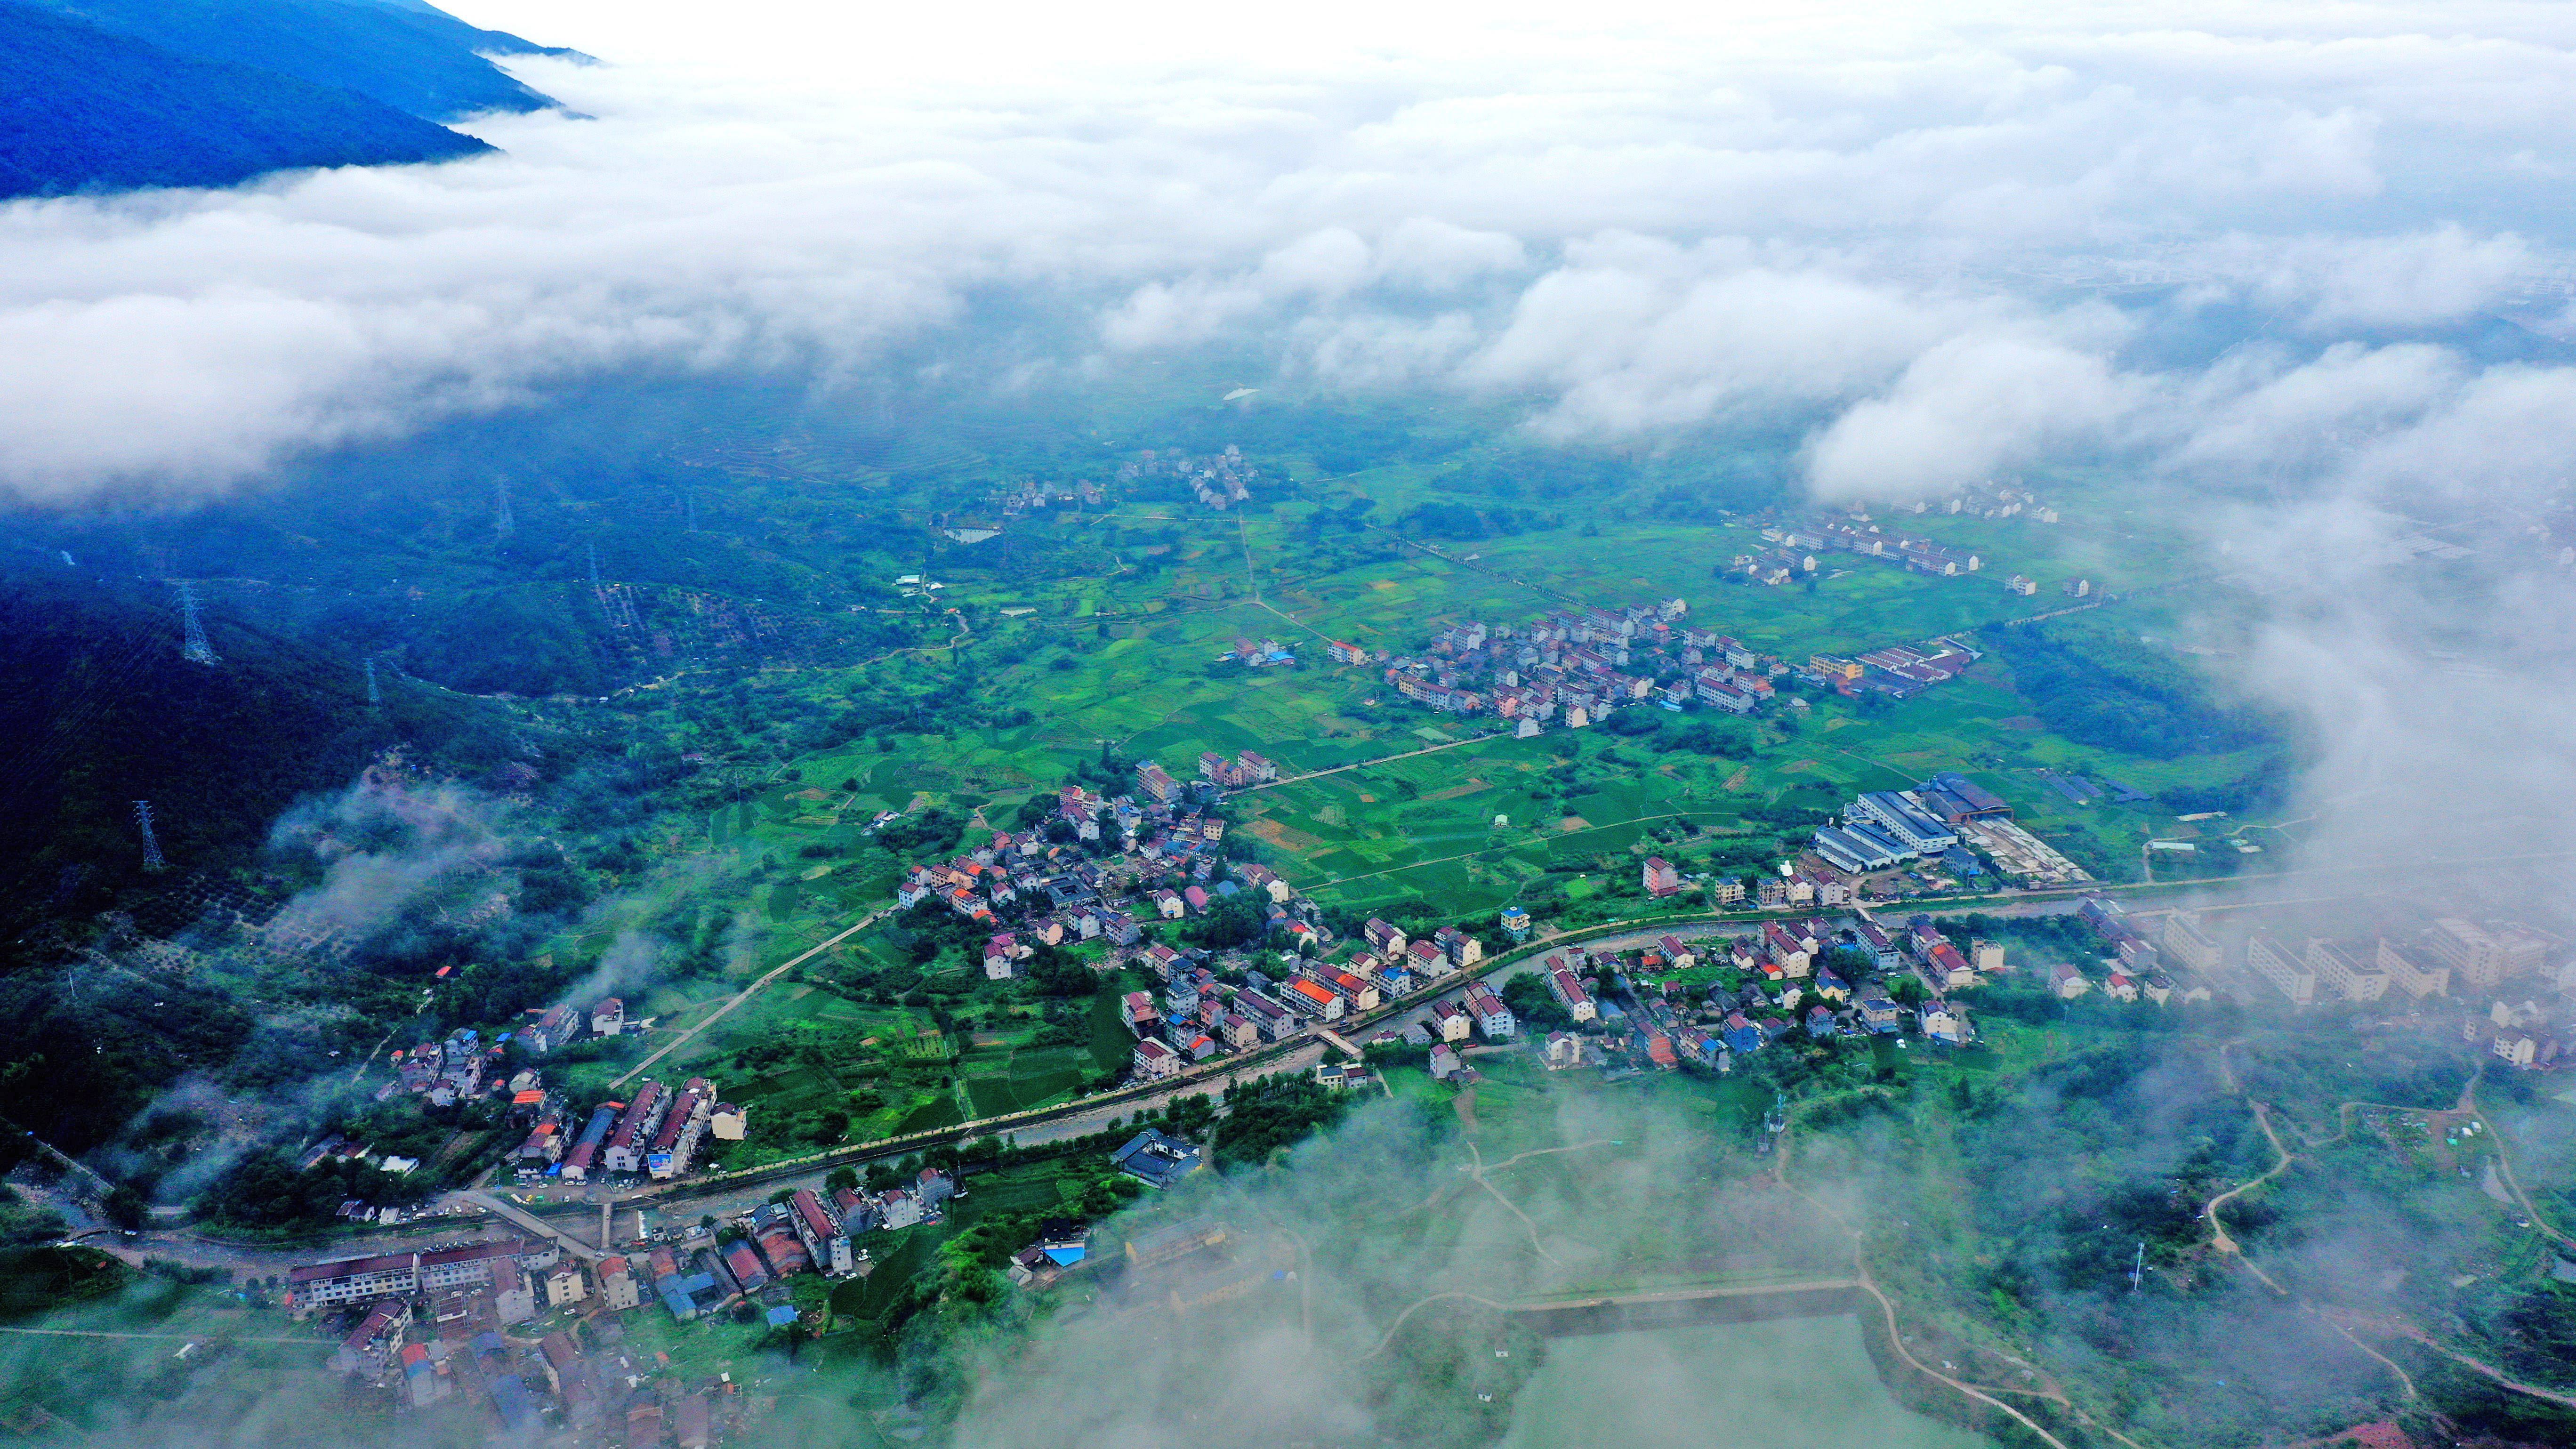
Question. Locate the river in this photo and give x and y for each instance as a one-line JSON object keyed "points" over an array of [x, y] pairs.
{"points": [[1782, 1383]]}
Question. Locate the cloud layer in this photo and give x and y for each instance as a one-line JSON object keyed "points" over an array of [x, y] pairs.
{"points": [[1641, 228]]}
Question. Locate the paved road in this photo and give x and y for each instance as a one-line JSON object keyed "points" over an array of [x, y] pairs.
{"points": [[575, 1214], [723, 1201], [530, 1221]]}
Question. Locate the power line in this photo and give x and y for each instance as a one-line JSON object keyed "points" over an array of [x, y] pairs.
{"points": [[192, 646], [151, 843]]}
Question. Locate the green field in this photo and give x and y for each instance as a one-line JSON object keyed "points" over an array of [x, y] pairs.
{"points": [[1116, 617]]}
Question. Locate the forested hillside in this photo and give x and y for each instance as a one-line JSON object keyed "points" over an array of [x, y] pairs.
{"points": [[97, 711], [86, 109], [412, 58]]}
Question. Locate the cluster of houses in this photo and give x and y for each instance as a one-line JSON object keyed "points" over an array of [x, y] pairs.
{"points": [[596, 1390], [1572, 665], [458, 1068], [1043, 886], [560, 1026], [1196, 1015], [431, 1326], [1219, 482], [1785, 981], [2520, 971], [1260, 654], [810, 1232], [1795, 546], [653, 1134], [1576, 666], [1032, 496]]}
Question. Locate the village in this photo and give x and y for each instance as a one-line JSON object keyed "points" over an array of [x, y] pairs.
{"points": [[1826, 957], [1577, 667], [537, 1329]]}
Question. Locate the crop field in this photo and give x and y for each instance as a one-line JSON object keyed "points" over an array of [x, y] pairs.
{"points": [[1111, 648]]}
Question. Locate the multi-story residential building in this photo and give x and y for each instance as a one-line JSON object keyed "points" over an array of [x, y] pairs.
{"points": [[2350, 967], [2480, 957], [676, 1140], [1460, 947], [1569, 993], [1492, 1017], [1154, 1060], [2186, 942], [2284, 968], [1156, 784], [1306, 996], [634, 1134], [2415, 970], [325, 1285], [1660, 877], [1450, 1021]]}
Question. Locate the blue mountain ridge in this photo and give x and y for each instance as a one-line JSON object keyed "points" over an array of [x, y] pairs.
{"points": [[413, 58], [112, 95]]}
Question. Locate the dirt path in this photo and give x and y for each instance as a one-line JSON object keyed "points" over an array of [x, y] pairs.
{"points": [[748, 992], [2344, 1321], [2350, 1322], [2504, 1163], [1364, 764], [1398, 1324], [1478, 1171], [1887, 1307], [1496, 849]]}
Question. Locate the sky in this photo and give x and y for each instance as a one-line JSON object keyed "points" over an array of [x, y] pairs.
{"points": [[2247, 252]]}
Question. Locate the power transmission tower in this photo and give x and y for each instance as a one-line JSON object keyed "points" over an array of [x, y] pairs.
{"points": [[151, 843], [193, 646], [503, 525], [594, 564], [2138, 1269], [375, 696], [691, 498]]}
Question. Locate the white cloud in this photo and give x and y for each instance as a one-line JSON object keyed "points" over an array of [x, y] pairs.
{"points": [[1963, 410], [1639, 221]]}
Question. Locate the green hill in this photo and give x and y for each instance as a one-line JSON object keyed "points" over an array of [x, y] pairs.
{"points": [[86, 109], [97, 710], [411, 57]]}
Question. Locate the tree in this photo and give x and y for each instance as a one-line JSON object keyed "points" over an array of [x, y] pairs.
{"points": [[841, 1179], [1230, 921], [1058, 972]]}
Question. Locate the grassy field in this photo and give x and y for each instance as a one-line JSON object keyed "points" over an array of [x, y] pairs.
{"points": [[1115, 618]]}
